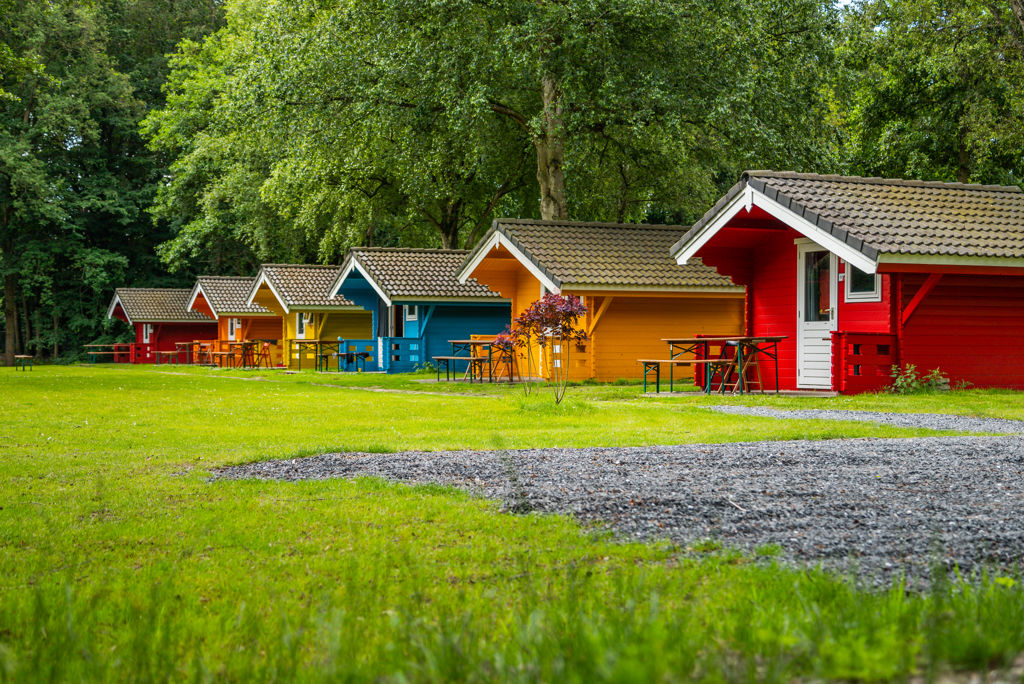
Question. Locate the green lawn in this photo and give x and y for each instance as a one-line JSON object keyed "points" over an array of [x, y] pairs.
{"points": [[120, 561]]}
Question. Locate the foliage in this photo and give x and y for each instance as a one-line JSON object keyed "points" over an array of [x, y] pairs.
{"points": [[74, 175], [125, 562], [322, 124], [932, 90], [551, 321], [907, 380]]}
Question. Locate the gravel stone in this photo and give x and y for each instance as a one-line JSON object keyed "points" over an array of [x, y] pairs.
{"points": [[928, 421], [872, 508]]}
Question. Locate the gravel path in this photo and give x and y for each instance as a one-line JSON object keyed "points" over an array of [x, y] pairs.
{"points": [[930, 421], [874, 507]]}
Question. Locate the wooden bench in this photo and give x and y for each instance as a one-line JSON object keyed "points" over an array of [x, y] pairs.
{"points": [[219, 358], [654, 366], [23, 360], [475, 367], [94, 354]]}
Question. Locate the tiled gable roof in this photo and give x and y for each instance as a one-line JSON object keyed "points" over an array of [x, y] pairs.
{"points": [[228, 294], [156, 305], [417, 273], [613, 255], [901, 217], [303, 285]]}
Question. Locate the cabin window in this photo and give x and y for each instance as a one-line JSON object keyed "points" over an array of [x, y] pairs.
{"points": [[231, 329], [300, 326], [861, 286], [147, 330], [412, 312]]}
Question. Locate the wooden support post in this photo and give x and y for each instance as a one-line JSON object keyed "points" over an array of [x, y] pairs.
{"points": [[928, 286]]}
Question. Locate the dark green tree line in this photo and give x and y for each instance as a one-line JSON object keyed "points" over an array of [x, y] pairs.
{"points": [[75, 176]]}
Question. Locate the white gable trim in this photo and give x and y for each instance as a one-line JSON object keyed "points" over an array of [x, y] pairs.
{"points": [[499, 238], [192, 300], [355, 265], [750, 198], [262, 279], [113, 305]]}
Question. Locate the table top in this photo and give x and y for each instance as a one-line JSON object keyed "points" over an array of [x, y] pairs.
{"points": [[297, 339], [479, 343], [110, 344], [732, 338]]}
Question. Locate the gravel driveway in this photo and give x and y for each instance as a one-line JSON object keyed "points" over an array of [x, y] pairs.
{"points": [[874, 507], [929, 421]]}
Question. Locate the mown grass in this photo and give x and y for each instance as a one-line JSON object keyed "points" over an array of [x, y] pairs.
{"points": [[120, 561]]}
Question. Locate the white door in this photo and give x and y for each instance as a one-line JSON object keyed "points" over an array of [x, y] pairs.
{"points": [[816, 316]]}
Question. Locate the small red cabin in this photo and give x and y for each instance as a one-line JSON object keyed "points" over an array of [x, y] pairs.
{"points": [[861, 274], [160, 317]]}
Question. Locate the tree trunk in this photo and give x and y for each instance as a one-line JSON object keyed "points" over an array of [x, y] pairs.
{"points": [[963, 159], [551, 154], [449, 224], [10, 318], [56, 329]]}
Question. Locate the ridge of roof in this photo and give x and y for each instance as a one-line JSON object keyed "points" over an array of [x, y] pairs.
{"points": [[588, 224], [262, 266], [598, 254], [876, 180], [424, 250]]}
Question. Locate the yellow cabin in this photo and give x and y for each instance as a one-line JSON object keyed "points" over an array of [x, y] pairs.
{"points": [[300, 294], [635, 293]]}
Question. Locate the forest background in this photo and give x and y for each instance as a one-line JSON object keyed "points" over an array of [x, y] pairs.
{"points": [[144, 142]]}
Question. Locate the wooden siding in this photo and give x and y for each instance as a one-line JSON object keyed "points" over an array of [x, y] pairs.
{"points": [[344, 324], [165, 335], [459, 322], [969, 326], [633, 328]]}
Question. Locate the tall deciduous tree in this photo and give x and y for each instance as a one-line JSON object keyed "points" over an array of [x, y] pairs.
{"points": [[75, 177], [357, 121], [933, 90]]}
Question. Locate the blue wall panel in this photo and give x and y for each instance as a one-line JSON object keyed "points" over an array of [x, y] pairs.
{"points": [[459, 321]]}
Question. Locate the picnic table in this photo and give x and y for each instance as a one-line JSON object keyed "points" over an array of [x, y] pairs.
{"points": [[747, 350], [111, 349], [322, 349], [243, 353], [472, 355]]}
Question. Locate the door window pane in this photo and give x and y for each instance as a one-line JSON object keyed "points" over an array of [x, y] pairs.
{"points": [[817, 286]]}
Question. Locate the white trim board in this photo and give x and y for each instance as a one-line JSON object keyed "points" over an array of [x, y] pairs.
{"points": [[260, 279], [113, 304], [499, 238], [750, 198], [354, 264], [192, 300]]}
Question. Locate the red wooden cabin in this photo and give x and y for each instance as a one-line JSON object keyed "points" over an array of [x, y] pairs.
{"points": [[862, 274], [160, 318]]}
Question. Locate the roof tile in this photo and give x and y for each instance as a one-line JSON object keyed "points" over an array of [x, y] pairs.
{"points": [[415, 273], [608, 254], [157, 305]]}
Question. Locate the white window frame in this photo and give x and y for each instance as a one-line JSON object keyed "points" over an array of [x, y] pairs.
{"points": [[300, 326], [412, 312], [147, 331], [850, 296], [232, 323]]}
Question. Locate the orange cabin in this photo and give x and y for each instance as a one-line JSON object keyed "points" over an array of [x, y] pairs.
{"points": [[223, 298]]}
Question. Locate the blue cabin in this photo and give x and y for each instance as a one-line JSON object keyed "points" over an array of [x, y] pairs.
{"points": [[417, 304]]}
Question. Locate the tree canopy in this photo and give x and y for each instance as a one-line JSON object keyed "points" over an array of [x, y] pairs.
{"points": [[145, 141]]}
